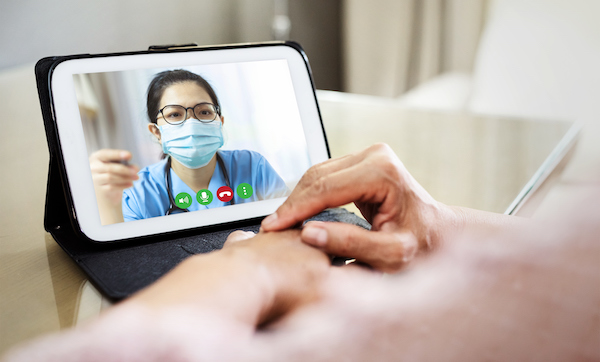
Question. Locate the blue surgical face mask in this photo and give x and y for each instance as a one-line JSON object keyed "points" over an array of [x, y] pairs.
{"points": [[193, 143]]}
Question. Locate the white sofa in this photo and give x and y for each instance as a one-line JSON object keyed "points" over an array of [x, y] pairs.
{"points": [[537, 59]]}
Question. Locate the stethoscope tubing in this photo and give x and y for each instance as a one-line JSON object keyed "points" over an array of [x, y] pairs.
{"points": [[172, 206]]}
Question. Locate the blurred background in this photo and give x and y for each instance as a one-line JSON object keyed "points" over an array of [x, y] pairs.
{"points": [[353, 45], [517, 57], [530, 59]]}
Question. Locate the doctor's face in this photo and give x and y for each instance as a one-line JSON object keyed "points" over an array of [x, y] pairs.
{"points": [[186, 94]]}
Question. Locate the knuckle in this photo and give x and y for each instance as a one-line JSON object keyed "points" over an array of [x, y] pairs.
{"points": [[321, 186], [399, 253], [101, 179], [304, 181], [116, 168], [313, 173], [396, 253], [238, 235], [241, 234], [387, 168], [110, 177], [392, 263], [380, 148], [111, 187], [96, 166]]}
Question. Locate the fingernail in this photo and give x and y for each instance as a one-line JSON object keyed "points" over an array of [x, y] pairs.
{"points": [[315, 236], [124, 155], [269, 220]]}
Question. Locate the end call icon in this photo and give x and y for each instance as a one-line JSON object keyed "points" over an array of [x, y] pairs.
{"points": [[225, 193]]}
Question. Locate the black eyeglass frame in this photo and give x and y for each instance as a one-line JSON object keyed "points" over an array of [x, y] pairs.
{"points": [[217, 112]]}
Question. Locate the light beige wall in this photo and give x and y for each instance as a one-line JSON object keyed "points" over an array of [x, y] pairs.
{"points": [[31, 29], [253, 20], [463, 26], [390, 46], [375, 40]]}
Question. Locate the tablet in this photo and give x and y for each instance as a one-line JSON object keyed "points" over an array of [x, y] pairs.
{"points": [[219, 135]]}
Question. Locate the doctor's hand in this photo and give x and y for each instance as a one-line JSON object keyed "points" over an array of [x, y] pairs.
{"points": [[405, 219], [111, 175]]}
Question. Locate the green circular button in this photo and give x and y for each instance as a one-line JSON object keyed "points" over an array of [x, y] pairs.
{"points": [[183, 200], [244, 190], [204, 197]]}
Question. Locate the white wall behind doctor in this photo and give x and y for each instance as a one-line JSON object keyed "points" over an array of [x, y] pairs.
{"points": [[32, 29]]}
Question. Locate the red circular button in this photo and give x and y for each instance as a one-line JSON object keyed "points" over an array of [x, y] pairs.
{"points": [[225, 193]]}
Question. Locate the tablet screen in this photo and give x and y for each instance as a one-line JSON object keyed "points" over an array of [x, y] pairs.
{"points": [[175, 141]]}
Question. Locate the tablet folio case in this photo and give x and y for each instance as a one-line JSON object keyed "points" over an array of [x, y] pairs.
{"points": [[120, 269]]}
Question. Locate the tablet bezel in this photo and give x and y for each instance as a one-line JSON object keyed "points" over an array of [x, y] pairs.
{"points": [[72, 142]]}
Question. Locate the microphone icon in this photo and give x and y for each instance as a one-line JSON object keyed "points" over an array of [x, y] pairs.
{"points": [[204, 197]]}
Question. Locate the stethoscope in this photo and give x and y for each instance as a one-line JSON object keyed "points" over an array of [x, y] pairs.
{"points": [[172, 206]]}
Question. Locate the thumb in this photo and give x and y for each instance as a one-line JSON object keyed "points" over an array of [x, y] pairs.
{"points": [[384, 251]]}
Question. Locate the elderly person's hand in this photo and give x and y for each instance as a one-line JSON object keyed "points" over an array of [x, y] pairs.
{"points": [[252, 279], [404, 217], [207, 308]]}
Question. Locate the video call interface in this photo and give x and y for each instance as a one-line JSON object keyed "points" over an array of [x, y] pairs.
{"points": [[236, 122]]}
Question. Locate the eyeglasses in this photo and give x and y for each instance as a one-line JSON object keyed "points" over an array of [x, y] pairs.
{"points": [[176, 114]]}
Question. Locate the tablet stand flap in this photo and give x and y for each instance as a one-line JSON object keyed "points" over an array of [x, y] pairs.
{"points": [[56, 214]]}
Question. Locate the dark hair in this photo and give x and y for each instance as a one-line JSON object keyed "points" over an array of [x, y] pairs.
{"points": [[164, 80]]}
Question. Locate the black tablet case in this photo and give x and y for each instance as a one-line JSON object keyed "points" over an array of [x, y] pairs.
{"points": [[120, 269]]}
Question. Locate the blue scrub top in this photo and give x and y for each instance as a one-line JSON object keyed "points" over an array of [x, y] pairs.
{"points": [[149, 198]]}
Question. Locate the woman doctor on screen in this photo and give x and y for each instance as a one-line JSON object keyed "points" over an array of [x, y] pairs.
{"points": [[185, 117]]}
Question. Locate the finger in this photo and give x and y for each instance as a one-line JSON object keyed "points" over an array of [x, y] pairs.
{"points": [[270, 223], [113, 179], [115, 187], [319, 187], [355, 183], [127, 171], [112, 155], [327, 167], [115, 170], [384, 251]]}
